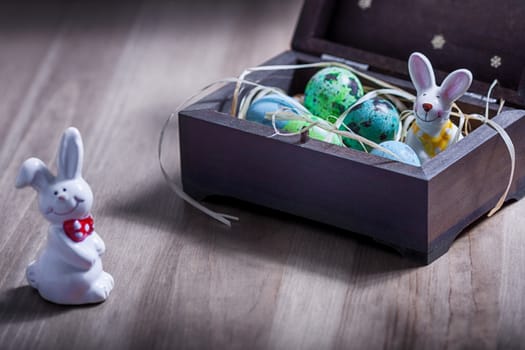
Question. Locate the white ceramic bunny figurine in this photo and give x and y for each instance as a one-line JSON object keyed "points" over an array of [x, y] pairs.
{"points": [[433, 131], [69, 268]]}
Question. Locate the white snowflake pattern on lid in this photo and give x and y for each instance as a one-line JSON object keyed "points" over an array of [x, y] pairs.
{"points": [[438, 41], [364, 4], [495, 61]]}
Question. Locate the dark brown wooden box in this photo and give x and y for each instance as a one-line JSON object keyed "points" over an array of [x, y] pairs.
{"points": [[419, 211]]}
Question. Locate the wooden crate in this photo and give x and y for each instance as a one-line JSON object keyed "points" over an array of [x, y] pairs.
{"points": [[417, 210]]}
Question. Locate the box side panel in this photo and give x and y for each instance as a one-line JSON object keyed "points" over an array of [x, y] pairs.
{"points": [[469, 187], [298, 179]]}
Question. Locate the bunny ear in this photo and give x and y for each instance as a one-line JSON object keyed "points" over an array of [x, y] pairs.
{"points": [[70, 155], [421, 72], [455, 85], [35, 173]]}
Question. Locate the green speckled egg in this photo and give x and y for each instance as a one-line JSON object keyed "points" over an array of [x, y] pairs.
{"points": [[331, 91], [315, 132], [376, 119]]}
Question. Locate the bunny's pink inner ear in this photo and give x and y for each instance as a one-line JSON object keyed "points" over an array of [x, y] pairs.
{"points": [[455, 85], [71, 155], [421, 72]]}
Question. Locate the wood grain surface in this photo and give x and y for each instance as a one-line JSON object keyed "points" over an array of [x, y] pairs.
{"points": [[272, 281]]}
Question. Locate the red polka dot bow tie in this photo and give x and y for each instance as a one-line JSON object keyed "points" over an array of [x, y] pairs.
{"points": [[78, 229]]}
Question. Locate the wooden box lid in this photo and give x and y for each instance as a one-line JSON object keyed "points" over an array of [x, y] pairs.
{"points": [[487, 37]]}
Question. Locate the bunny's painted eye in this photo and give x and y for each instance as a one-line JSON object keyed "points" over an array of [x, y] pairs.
{"points": [[55, 193], [64, 190]]}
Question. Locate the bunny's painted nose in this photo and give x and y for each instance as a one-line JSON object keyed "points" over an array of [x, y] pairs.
{"points": [[61, 198], [427, 107]]}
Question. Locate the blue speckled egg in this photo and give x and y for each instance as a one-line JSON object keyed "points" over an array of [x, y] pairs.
{"points": [[331, 91], [405, 153], [272, 103], [375, 119]]}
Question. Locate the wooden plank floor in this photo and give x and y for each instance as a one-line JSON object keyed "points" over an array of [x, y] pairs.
{"points": [[272, 281]]}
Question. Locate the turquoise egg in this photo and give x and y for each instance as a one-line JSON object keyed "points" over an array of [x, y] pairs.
{"points": [[375, 119], [331, 91], [272, 103], [405, 153]]}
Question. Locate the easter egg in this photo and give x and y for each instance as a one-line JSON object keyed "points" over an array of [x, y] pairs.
{"points": [[315, 132], [375, 119], [331, 91], [272, 103], [403, 151]]}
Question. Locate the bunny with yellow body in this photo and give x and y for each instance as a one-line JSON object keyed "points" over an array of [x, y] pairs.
{"points": [[432, 132]]}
